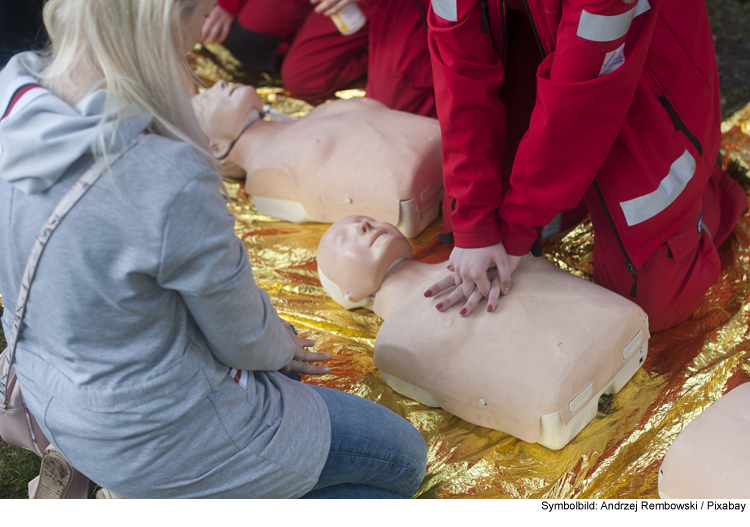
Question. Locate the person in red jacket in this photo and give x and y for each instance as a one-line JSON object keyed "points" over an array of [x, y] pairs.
{"points": [[391, 49], [545, 103]]}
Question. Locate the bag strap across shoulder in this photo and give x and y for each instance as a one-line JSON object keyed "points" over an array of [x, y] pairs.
{"points": [[71, 197]]}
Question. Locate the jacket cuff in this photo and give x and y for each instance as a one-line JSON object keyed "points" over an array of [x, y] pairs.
{"points": [[517, 243], [233, 7], [473, 240]]}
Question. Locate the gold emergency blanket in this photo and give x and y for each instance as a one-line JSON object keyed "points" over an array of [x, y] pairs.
{"points": [[618, 454]]}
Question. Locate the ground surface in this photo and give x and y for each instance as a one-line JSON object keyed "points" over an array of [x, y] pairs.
{"points": [[730, 20]]}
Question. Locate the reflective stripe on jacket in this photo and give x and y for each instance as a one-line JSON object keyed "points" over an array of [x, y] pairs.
{"points": [[626, 93]]}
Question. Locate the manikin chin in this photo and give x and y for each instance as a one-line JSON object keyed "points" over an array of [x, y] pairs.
{"points": [[534, 368], [345, 157]]}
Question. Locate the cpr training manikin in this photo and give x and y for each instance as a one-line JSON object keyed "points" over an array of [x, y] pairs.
{"points": [[708, 459], [534, 368], [346, 157]]}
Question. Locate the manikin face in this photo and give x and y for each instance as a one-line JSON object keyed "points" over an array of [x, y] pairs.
{"points": [[357, 251], [223, 110]]}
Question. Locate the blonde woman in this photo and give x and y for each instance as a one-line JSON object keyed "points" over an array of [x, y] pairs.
{"points": [[148, 354]]}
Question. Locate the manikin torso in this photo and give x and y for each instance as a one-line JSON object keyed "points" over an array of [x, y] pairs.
{"points": [[345, 157], [534, 368], [708, 459]]}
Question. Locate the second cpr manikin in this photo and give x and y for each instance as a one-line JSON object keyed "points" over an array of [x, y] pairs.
{"points": [[345, 157]]}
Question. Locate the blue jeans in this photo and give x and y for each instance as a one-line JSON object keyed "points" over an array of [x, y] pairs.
{"points": [[374, 452]]}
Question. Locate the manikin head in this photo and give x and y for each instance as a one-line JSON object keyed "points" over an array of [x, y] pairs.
{"points": [[223, 111], [354, 255]]}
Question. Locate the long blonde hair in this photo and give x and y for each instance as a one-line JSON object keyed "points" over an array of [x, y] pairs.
{"points": [[135, 47]]}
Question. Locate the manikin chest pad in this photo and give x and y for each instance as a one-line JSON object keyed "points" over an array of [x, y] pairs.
{"points": [[352, 157], [708, 459], [534, 368]]}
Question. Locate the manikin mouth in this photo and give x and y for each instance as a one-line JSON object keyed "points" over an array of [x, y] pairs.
{"points": [[374, 238], [377, 235]]}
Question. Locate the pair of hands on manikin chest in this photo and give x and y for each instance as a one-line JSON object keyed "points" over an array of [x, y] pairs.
{"points": [[483, 272]]}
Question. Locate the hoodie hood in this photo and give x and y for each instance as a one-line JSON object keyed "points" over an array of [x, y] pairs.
{"points": [[42, 135]]}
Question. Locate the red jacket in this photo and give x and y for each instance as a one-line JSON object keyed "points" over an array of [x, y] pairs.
{"points": [[626, 98], [278, 17], [233, 7]]}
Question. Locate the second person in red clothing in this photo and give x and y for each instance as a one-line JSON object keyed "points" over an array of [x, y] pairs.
{"points": [[391, 49]]}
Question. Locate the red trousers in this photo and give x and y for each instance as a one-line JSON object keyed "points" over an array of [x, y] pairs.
{"points": [[673, 281], [391, 49]]}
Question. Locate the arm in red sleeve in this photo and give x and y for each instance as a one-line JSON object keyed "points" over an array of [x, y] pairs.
{"points": [[233, 7], [584, 90], [468, 74]]}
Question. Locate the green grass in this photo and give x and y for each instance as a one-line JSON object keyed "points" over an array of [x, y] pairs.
{"points": [[17, 466]]}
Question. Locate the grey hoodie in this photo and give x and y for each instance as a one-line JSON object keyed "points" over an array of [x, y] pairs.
{"points": [[143, 300]]}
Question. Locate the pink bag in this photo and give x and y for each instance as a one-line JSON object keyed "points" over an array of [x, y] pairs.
{"points": [[17, 426]]}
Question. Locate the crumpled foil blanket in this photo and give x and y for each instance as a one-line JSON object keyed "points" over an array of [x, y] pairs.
{"points": [[618, 454]]}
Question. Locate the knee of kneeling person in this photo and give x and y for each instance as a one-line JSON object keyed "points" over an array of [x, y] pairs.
{"points": [[414, 461], [676, 280], [306, 85]]}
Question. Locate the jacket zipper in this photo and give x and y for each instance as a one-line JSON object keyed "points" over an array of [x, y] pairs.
{"points": [[486, 26], [485, 15], [679, 125], [504, 27], [421, 13], [533, 28], [628, 264]]}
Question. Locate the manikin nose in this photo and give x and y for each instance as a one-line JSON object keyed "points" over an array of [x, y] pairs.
{"points": [[363, 227], [222, 84]]}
